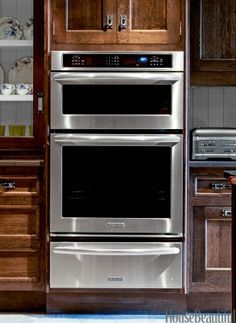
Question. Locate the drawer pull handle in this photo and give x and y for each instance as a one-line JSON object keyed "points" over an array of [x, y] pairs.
{"points": [[8, 185], [226, 213], [219, 186]]}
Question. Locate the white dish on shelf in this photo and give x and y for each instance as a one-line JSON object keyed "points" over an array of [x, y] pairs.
{"points": [[22, 71], [10, 28], [28, 29], [1, 75]]}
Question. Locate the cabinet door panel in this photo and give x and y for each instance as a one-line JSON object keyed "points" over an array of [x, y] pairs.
{"points": [[150, 21], [83, 21], [211, 250], [213, 43], [218, 29], [85, 15], [218, 249]]}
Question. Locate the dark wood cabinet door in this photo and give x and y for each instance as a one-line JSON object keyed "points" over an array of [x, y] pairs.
{"points": [[209, 231], [84, 21], [149, 21], [213, 43], [211, 250]]}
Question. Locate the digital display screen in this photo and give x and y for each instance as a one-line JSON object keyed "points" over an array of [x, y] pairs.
{"points": [[143, 59]]}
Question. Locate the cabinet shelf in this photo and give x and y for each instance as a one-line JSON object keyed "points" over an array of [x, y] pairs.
{"points": [[16, 43], [16, 98]]}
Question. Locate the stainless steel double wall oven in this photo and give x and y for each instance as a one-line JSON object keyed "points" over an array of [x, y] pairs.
{"points": [[116, 170]]}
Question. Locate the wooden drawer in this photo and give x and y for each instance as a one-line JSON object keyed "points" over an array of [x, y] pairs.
{"points": [[213, 186], [17, 190], [20, 269], [20, 221]]}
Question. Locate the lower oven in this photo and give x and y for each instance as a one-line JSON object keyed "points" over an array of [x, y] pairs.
{"points": [[116, 265], [116, 183]]}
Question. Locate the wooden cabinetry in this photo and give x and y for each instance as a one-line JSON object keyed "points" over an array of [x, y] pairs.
{"points": [[210, 231], [21, 61], [21, 229], [116, 22], [213, 48]]}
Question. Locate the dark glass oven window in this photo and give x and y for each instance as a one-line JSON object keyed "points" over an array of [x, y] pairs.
{"points": [[129, 182], [116, 99]]}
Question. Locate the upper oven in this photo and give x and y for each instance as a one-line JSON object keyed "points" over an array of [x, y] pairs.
{"points": [[126, 90]]}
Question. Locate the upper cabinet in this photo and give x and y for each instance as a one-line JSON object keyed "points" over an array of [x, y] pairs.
{"points": [[86, 22], [21, 74], [213, 42]]}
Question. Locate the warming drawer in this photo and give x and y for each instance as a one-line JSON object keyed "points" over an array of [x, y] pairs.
{"points": [[116, 265]]}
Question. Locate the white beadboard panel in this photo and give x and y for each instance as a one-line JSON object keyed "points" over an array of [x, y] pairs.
{"points": [[24, 113], [216, 104], [213, 107], [230, 107], [200, 104], [8, 115]]}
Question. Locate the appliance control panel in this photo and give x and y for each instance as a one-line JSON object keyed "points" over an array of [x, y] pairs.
{"points": [[117, 60], [214, 144]]}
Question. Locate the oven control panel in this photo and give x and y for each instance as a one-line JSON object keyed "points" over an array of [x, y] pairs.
{"points": [[118, 60]]}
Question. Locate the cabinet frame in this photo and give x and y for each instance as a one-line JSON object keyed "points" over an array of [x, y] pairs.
{"points": [[38, 139]]}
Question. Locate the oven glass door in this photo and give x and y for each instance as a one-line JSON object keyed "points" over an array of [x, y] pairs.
{"points": [[121, 100], [116, 183], [128, 182], [117, 99]]}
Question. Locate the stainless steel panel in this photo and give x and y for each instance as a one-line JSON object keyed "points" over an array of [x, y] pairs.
{"points": [[84, 121], [165, 226], [57, 61], [115, 265]]}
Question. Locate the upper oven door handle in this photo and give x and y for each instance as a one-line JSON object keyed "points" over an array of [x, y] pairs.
{"points": [[116, 139], [75, 78]]}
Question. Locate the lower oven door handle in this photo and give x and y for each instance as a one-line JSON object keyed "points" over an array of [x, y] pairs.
{"points": [[118, 139], [116, 252]]}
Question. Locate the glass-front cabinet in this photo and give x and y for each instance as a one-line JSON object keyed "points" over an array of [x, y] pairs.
{"points": [[21, 74]]}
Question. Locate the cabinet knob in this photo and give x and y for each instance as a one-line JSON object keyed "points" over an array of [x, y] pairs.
{"points": [[123, 22], [226, 213], [109, 22], [8, 185]]}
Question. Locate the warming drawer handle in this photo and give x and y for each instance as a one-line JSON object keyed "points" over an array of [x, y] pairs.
{"points": [[119, 140], [116, 252]]}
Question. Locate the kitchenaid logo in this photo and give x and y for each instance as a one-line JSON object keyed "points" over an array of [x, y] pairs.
{"points": [[115, 225], [198, 317], [116, 279]]}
